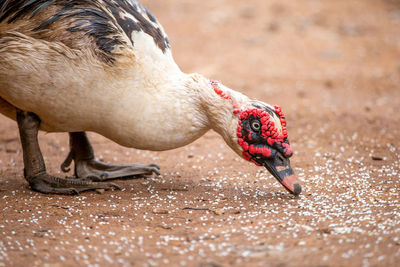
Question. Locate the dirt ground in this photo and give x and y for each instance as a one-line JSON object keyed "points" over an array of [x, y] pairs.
{"points": [[333, 66]]}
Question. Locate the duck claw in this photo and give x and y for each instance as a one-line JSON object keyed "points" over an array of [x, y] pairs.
{"points": [[49, 184], [67, 162], [98, 171]]}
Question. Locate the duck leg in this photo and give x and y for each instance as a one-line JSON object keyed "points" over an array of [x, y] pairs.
{"points": [[86, 166], [35, 169]]}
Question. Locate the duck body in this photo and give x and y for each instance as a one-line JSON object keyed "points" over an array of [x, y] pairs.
{"points": [[127, 106], [106, 66], [73, 89]]}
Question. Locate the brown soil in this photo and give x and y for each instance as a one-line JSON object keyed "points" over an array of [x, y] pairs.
{"points": [[334, 67]]}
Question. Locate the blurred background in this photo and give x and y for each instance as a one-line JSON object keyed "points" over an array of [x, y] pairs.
{"points": [[333, 66], [323, 61]]}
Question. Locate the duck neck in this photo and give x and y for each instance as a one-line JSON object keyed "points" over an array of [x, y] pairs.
{"points": [[220, 106]]}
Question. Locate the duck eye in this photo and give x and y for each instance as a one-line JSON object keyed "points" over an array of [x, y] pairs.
{"points": [[256, 125]]}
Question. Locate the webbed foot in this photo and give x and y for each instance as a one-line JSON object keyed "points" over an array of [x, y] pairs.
{"points": [[35, 169], [99, 171], [49, 184], [87, 167]]}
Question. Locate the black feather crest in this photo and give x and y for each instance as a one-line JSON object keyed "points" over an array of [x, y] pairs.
{"points": [[104, 20]]}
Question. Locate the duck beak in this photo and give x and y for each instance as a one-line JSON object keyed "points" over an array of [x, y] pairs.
{"points": [[279, 167]]}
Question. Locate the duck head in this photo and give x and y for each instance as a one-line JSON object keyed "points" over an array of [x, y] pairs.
{"points": [[260, 135]]}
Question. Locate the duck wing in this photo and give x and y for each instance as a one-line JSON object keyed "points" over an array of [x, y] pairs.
{"points": [[105, 26]]}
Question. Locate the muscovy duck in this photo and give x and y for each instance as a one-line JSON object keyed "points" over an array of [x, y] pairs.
{"points": [[106, 66]]}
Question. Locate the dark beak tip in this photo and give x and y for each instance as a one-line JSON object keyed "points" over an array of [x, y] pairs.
{"points": [[296, 189], [292, 184]]}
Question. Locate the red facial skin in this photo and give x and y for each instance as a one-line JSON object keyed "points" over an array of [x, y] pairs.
{"points": [[222, 94], [268, 130]]}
